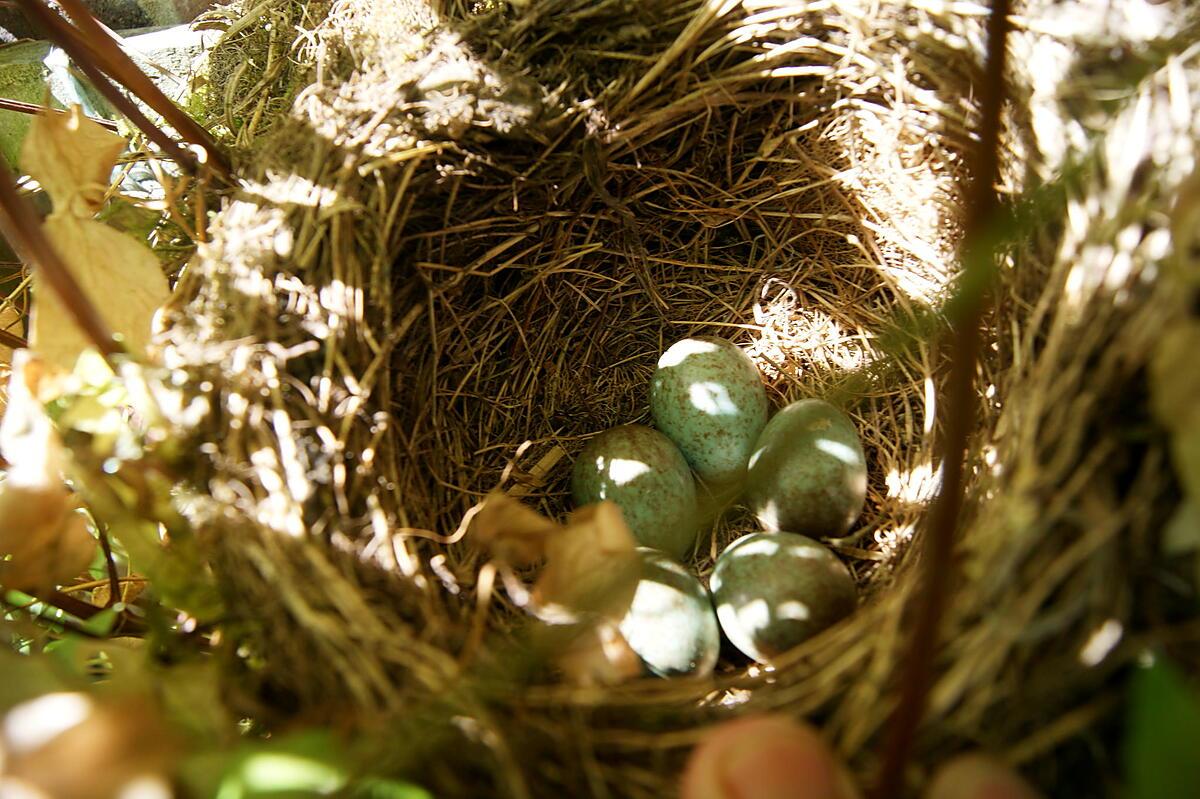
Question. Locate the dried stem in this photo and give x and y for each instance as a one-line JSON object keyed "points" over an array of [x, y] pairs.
{"points": [[87, 58], [126, 624], [117, 64], [940, 530], [11, 340], [33, 109], [114, 579]]}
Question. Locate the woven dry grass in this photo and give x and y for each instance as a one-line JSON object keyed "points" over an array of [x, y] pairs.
{"points": [[461, 250]]}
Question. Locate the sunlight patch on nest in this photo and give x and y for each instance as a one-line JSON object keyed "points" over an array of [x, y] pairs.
{"points": [[915, 486], [892, 542], [914, 247], [1101, 642], [793, 338]]}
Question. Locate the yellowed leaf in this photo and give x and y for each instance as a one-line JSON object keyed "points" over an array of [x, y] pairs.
{"points": [[72, 157], [121, 277], [1174, 380]]}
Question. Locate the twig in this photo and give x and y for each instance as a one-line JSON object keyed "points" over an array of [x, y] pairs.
{"points": [[68, 603], [91, 584], [114, 579], [34, 109], [117, 63], [939, 534], [12, 340], [68, 37], [23, 229], [126, 625]]}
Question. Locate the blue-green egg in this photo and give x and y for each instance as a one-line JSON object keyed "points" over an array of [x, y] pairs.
{"points": [[808, 473], [671, 624], [646, 476], [708, 397], [773, 591]]}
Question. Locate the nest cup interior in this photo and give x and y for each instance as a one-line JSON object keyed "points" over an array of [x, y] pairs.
{"points": [[803, 230], [560, 216]]}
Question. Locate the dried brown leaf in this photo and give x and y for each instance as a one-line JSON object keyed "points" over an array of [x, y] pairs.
{"points": [[515, 534], [73, 746], [47, 540], [592, 566], [599, 655], [51, 551], [585, 588], [130, 590]]}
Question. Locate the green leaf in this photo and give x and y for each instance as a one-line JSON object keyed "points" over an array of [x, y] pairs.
{"points": [[26, 676], [276, 773], [103, 622], [191, 697], [1175, 396], [1164, 728], [175, 571], [388, 789], [307, 765]]}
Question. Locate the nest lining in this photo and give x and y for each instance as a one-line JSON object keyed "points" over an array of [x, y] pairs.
{"points": [[433, 287]]}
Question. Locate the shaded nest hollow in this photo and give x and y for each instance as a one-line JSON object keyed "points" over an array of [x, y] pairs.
{"points": [[459, 253]]}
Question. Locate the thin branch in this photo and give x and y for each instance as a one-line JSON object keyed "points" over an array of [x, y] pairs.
{"points": [[114, 579], [125, 625], [33, 109], [12, 340], [68, 37], [941, 524], [22, 228], [68, 604], [113, 59]]}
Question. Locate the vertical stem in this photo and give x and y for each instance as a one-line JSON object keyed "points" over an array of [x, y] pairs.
{"points": [[114, 580], [937, 552]]}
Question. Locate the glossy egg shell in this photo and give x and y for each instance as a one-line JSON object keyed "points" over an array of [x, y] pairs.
{"points": [[671, 624], [774, 591], [707, 396], [640, 470], [808, 473]]}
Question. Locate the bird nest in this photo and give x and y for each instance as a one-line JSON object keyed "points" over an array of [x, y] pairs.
{"points": [[462, 244]]}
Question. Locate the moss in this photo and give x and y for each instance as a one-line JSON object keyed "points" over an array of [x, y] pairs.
{"points": [[22, 77]]}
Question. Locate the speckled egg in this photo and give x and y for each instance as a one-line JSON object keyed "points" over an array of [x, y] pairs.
{"points": [[671, 624], [807, 473], [773, 591], [707, 397], [645, 475]]}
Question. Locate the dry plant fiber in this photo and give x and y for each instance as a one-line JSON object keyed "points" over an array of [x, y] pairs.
{"points": [[466, 236]]}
